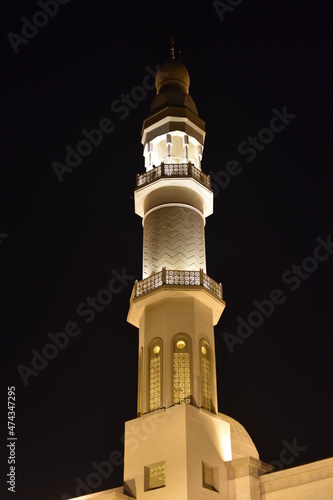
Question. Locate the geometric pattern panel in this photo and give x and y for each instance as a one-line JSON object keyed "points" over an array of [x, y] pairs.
{"points": [[174, 238], [206, 384], [181, 378], [155, 383], [206, 381], [154, 476], [210, 477]]}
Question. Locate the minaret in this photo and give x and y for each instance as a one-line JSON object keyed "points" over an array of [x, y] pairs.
{"points": [[178, 442]]}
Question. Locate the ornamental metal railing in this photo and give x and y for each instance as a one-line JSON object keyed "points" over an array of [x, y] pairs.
{"points": [[178, 278], [167, 170]]}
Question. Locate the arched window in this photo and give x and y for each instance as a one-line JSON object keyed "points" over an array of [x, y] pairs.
{"points": [[155, 374], [182, 369], [206, 382]]}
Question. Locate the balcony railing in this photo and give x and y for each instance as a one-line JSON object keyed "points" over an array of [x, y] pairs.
{"points": [[167, 170], [178, 278]]}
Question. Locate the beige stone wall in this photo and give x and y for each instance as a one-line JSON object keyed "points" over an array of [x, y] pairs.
{"points": [[113, 494], [183, 436], [165, 319], [312, 481]]}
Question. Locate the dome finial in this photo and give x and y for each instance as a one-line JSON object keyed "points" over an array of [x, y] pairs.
{"points": [[172, 75], [172, 48]]}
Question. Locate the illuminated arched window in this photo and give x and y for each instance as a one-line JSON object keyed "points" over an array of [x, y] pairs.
{"points": [[206, 382], [181, 369], [155, 374]]}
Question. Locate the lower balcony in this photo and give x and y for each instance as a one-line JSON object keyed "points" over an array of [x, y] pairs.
{"points": [[168, 283], [178, 278]]}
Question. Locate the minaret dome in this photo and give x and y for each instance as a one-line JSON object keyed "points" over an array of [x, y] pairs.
{"points": [[172, 75]]}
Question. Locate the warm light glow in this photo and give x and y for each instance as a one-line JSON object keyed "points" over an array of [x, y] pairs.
{"points": [[180, 344], [203, 350], [156, 349], [170, 148]]}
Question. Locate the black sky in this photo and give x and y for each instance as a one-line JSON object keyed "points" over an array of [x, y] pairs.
{"points": [[65, 239]]}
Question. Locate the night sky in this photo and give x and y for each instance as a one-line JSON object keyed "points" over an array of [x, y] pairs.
{"points": [[62, 242]]}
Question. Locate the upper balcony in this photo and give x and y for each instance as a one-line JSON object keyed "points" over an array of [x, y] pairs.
{"points": [[173, 170], [182, 176]]}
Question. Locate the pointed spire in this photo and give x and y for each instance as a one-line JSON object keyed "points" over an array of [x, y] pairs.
{"points": [[172, 48]]}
